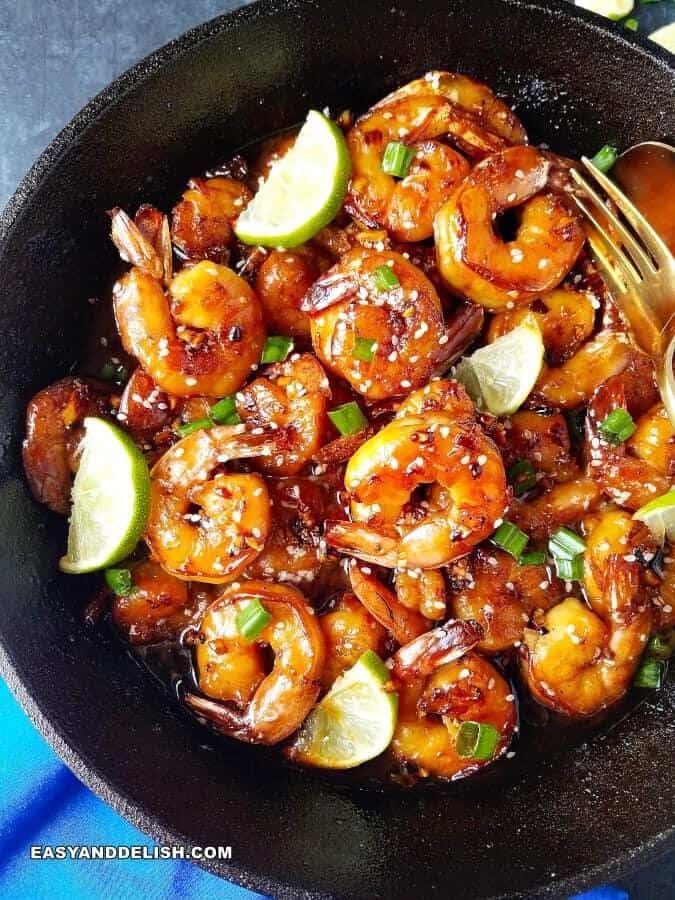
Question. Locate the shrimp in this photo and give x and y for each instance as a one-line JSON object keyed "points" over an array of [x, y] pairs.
{"points": [[402, 326], [202, 340], [441, 685], [628, 480], [159, 606], [281, 283], [476, 262], [53, 434], [468, 494], [349, 630], [654, 440], [205, 524], [292, 396], [584, 662], [202, 222], [543, 440], [143, 406], [384, 606], [422, 590], [562, 504], [248, 703], [501, 595]]}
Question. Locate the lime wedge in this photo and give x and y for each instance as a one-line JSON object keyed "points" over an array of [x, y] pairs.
{"points": [[500, 376], [659, 516], [303, 192], [611, 9], [354, 722], [665, 36], [110, 497]]}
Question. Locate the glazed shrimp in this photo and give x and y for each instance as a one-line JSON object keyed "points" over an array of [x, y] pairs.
{"points": [[53, 433], [403, 622], [248, 703], [583, 662], [203, 339], [205, 524], [291, 396], [611, 532], [494, 590], [543, 440], [468, 493], [202, 222], [422, 590], [654, 440], [349, 630], [475, 262], [143, 406], [282, 281], [403, 324], [562, 504]]}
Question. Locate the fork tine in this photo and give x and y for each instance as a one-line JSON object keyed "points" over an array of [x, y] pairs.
{"points": [[617, 286], [627, 268], [652, 240], [642, 262]]}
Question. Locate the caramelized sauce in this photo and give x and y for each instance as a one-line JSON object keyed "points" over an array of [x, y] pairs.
{"points": [[646, 173]]}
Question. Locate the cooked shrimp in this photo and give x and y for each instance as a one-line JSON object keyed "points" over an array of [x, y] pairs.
{"points": [[654, 440], [401, 621], [611, 532], [281, 284], [143, 242], [474, 260], [494, 590], [292, 396], [252, 705], [53, 434], [542, 439], [203, 220], [584, 663], [205, 524], [143, 406], [349, 630], [563, 504], [203, 339], [402, 325], [468, 493], [422, 590], [159, 606]]}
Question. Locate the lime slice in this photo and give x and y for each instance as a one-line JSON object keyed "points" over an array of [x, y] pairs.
{"points": [[354, 722], [611, 9], [665, 36], [304, 190], [659, 516], [111, 499], [500, 376]]}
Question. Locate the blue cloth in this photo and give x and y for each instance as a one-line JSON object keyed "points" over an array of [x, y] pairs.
{"points": [[42, 802]]}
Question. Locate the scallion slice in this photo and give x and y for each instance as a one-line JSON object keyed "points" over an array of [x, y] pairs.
{"points": [[618, 426], [511, 539], [252, 619], [119, 581], [570, 569], [649, 673], [397, 159], [276, 349], [224, 412], [535, 558], [476, 740], [662, 645], [605, 158], [111, 371], [522, 477], [385, 278], [566, 544], [363, 347], [190, 427], [348, 418]]}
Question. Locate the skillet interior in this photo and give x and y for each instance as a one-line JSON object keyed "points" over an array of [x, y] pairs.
{"points": [[547, 829]]}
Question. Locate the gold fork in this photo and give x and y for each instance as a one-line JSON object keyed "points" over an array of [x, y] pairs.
{"points": [[638, 268]]}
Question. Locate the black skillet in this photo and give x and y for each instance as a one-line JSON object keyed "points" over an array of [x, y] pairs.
{"points": [[540, 826]]}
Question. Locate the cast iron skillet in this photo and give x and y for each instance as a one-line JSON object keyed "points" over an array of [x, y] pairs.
{"points": [[542, 829]]}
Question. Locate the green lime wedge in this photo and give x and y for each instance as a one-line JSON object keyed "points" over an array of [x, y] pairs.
{"points": [[665, 36], [304, 190], [500, 376], [611, 9], [110, 499], [659, 516], [354, 722]]}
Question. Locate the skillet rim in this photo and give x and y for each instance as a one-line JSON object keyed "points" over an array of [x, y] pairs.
{"points": [[48, 161]]}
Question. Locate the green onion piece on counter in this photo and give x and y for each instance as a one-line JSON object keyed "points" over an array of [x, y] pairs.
{"points": [[631, 24], [348, 418], [224, 412], [650, 673], [190, 427], [363, 348], [385, 278], [119, 581], [522, 476], [566, 544], [569, 569], [618, 426], [605, 158], [476, 740], [276, 348], [397, 159], [251, 620], [535, 558], [510, 538]]}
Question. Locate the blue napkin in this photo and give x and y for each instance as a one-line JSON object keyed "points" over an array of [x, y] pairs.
{"points": [[42, 802]]}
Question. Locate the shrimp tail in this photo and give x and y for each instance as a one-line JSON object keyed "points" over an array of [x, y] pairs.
{"points": [[226, 719], [424, 654], [384, 606], [365, 543]]}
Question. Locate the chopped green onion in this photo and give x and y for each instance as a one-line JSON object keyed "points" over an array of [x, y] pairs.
{"points": [[566, 544], [276, 348], [618, 426], [662, 645], [631, 24], [576, 419], [522, 476], [114, 372], [476, 740], [385, 278], [363, 347], [397, 159], [348, 418], [510, 538], [605, 158], [119, 581], [569, 569], [535, 558], [252, 619], [224, 411], [649, 673], [196, 425]]}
